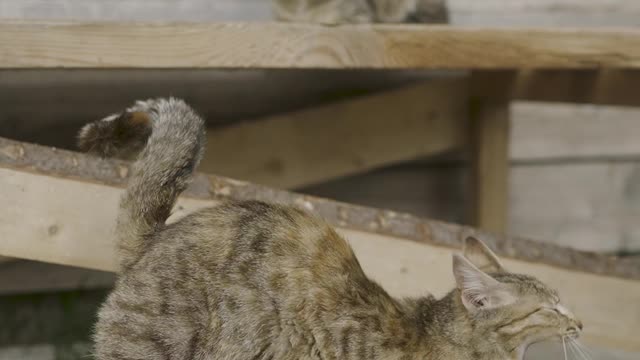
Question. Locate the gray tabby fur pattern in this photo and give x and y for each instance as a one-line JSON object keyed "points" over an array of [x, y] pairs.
{"points": [[252, 280], [333, 12]]}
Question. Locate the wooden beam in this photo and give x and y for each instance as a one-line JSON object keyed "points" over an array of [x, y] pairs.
{"points": [[489, 153], [490, 164], [31, 111], [49, 213], [343, 138], [273, 45], [599, 87], [47, 162]]}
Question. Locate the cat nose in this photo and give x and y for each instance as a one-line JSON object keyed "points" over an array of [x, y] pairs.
{"points": [[579, 323]]}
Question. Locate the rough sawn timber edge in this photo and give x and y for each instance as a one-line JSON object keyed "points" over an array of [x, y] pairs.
{"points": [[67, 164]]}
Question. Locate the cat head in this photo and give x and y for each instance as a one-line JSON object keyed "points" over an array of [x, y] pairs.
{"points": [[510, 309]]}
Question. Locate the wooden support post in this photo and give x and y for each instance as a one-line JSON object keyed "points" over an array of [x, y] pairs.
{"points": [[489, 174]]}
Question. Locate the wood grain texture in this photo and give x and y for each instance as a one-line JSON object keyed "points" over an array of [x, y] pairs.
{"points": [[271, 45], [586, 154], [598, 87], [66, 164], [489, 152], [490, 164], [84, 238], [52, 104], [343, 138]]}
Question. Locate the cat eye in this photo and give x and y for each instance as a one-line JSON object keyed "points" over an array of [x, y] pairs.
{"points": [[551, 309], [548, 309], [479, 302]]}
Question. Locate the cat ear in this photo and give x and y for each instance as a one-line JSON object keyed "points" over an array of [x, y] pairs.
{"points": [[481, 256], [477, 289]]}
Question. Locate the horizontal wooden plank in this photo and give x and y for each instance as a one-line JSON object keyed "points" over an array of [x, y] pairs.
{"points": [[73, 165], [68, 228], [272, 45], [343, 138], [48, 106], [604, 87]]}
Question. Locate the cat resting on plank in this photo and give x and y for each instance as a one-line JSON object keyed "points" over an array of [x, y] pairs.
{"points": [[361, 11]]}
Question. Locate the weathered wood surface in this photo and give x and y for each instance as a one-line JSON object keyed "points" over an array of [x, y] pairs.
{"points": [[598, 87], [38, 103], [490, 165], [61, 163], [489, 156], [343, 138], [586, 155], [273, 45], [409, 256]]}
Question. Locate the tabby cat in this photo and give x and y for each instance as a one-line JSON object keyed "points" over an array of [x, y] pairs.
{"points": [[361, 11], [252, 280]]}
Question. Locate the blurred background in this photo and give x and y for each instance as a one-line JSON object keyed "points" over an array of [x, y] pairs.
{"points": [[574, 169]]}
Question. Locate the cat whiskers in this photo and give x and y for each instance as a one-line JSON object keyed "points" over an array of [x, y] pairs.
{"points": [[581, 350], [574, 354], [564, 347]]}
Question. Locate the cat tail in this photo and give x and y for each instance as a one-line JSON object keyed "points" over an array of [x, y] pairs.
{"points": [[168, 138]]}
